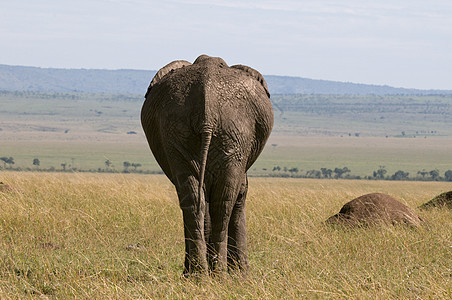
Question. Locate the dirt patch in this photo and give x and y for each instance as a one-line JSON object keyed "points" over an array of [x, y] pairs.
{"points": [[443, 200], [373, 209]]}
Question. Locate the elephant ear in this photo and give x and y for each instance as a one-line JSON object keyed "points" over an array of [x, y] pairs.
{"points": [[255, 74], [177, 64]]}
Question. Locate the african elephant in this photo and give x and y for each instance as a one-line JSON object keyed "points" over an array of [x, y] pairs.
{"points": [[206, 123]]}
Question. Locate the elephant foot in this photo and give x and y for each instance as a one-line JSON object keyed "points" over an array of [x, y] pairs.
{"points": [[195, 257], [195, 265], [236, 265], [218, 258], [217, 267]]}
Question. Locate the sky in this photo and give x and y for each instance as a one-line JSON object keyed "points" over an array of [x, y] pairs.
{"points": [[400, 43]]}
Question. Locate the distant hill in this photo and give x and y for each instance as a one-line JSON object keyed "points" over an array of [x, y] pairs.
{"points": [[298, 85], [20, 78]]}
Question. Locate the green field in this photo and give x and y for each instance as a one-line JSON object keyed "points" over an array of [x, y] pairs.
{"points": [[364, 115], [362, 133], [361, 155], [95, 236]]}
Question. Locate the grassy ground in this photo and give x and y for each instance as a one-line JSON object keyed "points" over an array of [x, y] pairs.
{"points": [[121, 236]]}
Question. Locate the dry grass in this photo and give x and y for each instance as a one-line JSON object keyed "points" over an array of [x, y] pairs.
{"points": [[120, 236]]}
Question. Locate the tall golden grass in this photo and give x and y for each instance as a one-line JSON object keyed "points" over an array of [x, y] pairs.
{"points": [[121, 236]]}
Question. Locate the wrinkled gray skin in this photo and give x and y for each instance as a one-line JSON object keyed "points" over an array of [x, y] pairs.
{"points": [[206, 124]]}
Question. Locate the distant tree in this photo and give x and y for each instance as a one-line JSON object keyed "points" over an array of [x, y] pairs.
{"points": [[345, 170], [126, 165], [341, 171], [314, 174], [107, 164], [423, 173], [135, 166], [448, 175], [380, 173], [63, 165], [11, 162], [326, 172], [277, 168], [293, 170], [400, 175], [434, 174], [36, 163], [4, 159], [7, 160]]}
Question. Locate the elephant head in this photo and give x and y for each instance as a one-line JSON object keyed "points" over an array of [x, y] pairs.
{"points": [[206, 124]]}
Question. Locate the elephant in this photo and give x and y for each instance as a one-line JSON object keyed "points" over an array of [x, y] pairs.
{"points": [[206, 123]]}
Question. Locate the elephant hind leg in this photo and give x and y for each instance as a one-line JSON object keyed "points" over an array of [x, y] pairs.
{"points": [[222, 200], [195, 246], [227, 212], [237, 248], [193, 216]]}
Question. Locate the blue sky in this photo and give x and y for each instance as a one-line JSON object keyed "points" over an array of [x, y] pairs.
{"points": [[394, 42]]}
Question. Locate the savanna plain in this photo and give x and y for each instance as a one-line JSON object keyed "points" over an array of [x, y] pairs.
{"points": [[76, 234], [81, 131], [84, 235]]}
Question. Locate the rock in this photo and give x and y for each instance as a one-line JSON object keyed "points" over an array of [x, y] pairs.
{"points": [[373, 209], [443, 200]]}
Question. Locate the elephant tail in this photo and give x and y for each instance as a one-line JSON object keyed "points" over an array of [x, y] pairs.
{"points": [[206, 137]]}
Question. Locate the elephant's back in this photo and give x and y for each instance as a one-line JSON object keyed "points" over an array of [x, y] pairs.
{"points": [[207, 92]]}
